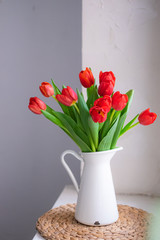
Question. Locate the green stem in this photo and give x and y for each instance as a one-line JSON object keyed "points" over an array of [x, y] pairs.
{"points": [[130, 128], [77, 109], [128, 125], [134, 125], [55, 98], [112, 114]]}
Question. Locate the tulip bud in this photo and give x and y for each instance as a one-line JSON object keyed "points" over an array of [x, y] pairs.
{"points": [[119, 101], [107, 76], [105, 88], [147, 117], [98, 114], [36, 105], [46, 89], [68, 96], [86, 78]]}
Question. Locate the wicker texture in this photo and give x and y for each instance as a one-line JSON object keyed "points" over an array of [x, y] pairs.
{"points": [[59, 223]]}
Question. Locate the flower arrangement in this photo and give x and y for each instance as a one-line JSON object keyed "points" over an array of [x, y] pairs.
{"points": [[97, 123]]}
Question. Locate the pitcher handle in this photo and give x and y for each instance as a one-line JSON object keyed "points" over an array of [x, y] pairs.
{"points": [[72, 177]]}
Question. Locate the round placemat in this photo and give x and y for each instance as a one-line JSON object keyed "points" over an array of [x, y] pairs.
{"points": [[59, 223]]}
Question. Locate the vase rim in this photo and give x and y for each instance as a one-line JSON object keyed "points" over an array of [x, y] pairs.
{"points": [[101, 152]]}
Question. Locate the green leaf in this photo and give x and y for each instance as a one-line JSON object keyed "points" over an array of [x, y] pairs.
{"points": [[56, 121], [92, 96], [118, 129], [89, 91], [70, 127], [105, 144], [49, 115], [122, 118], [65, 118], [49, 109], [127, 127], [78, 119], [106, 126], [130, 95], [94, 129], [56, 89], [63, 86], [84, 111], [52, 118], [116, 115], [77, 134], [71, 110], [101, 125], [84, 115]]}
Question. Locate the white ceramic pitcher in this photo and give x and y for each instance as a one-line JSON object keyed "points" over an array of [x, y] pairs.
{"points": [[96, 204]]}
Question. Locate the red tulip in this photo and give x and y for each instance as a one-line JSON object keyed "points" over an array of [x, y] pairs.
{"points": [[46, 89], [36, 105], [98, 114], [105, 88], [147, 117], [100, 109], [119, 101], [105, 102], [86, 78], [68, 96], [107, 76]]}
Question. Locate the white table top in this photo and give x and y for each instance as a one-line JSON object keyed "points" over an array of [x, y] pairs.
{"points": [[69, 195]]}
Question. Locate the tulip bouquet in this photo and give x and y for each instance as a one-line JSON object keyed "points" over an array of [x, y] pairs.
{"points": [[97, 123]]}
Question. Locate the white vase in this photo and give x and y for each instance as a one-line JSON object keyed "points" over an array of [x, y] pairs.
{"points": [[96, 204]]}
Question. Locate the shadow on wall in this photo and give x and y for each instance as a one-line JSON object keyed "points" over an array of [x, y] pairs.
{"points": [[39, 40]]}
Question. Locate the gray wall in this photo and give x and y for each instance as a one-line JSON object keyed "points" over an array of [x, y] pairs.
{"points": [[39, 40]]}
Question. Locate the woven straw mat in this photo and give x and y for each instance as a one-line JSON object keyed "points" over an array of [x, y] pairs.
{"points": [[59, 223]]}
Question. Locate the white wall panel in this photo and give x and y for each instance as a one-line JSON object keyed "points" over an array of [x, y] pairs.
{"points": [[124, 36]]}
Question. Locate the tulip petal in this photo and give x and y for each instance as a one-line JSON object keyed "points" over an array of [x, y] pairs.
{"points": [[72, 93], [34, 109], [64, 99], [105, 88], [119, 101], [105, 101], [66, 93], [147, 117], [107, 76], [46, 89], [40, 103], [68, 96], [86, 78], [98, 114], [36, 105]]}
